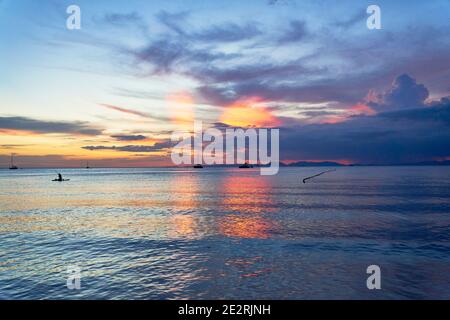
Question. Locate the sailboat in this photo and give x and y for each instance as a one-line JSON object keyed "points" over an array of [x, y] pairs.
{"points": [[12, 167], [246, 165], [87, 165]]}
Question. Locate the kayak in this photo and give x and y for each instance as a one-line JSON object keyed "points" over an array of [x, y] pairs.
{"points": [[57, 180]]}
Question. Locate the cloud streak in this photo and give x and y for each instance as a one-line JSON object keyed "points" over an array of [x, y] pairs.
{"points": [[44, 127], [129, 137], [159, 146], [128, 111]]}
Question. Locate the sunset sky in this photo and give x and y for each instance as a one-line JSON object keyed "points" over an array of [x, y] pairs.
{"points": [[112, 92]]}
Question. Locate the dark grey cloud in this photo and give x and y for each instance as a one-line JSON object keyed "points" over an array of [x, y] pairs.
{"points": [[129, 137], [159, 146], [410, 135], [13, 146], [359, 18], [145, 115], [320, 84], [228, 32], [215, 95], [340, 90], [124, 21], [438, 114], [301, 80], [339, 69], [442, 101], [162, 54], [168, 55], [404, 93], [39, 126], [174, 21], [297, 32], [122, 18], [318, 113], [280, 2], [221, 125], [305, 80], [263, 72], [183, 48]]}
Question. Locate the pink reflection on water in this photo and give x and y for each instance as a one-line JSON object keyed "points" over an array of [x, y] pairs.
{"points": [[249, 197]]}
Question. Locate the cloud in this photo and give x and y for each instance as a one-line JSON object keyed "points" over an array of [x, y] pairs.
{"points": [[159, 146], [358, 17], [13, 146], [129, 137], [341, 67], [320, 91], [166, 56], [354, 68], [257, 72], [404, 93], [297, 31], [183, 48], [39, 126], [320, 113], [122, 18], [280, 2], [131, 19], [146, 115], [173, 20], [439, 114], [328, 68], [228, 32], [125, 110], [162, 55], [408, 135]]}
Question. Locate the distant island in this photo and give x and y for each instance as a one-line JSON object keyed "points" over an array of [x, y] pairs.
{"points": [[313, 164], [337, 164]]}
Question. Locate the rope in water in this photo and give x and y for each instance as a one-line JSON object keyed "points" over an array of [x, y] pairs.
{"points": [[316, 175]]}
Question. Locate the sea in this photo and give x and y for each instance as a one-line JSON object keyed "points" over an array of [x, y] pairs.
{"points": [[225, 233]]}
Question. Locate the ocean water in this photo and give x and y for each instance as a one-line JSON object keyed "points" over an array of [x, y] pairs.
{"points": [[225, 233]]}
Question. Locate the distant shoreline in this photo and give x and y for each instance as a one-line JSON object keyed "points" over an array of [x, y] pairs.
{"points": [[302, 164]]}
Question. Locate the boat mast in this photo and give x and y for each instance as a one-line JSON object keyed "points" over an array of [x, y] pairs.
{"points": [[12, 160]]}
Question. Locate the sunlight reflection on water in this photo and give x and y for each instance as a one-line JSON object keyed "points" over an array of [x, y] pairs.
{"points": [[225, 233]]}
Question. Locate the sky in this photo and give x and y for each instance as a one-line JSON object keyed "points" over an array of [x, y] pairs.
{"points": [[112, 92]]}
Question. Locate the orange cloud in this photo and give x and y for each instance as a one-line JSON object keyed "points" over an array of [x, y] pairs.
{"points": [[245, 113]]}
